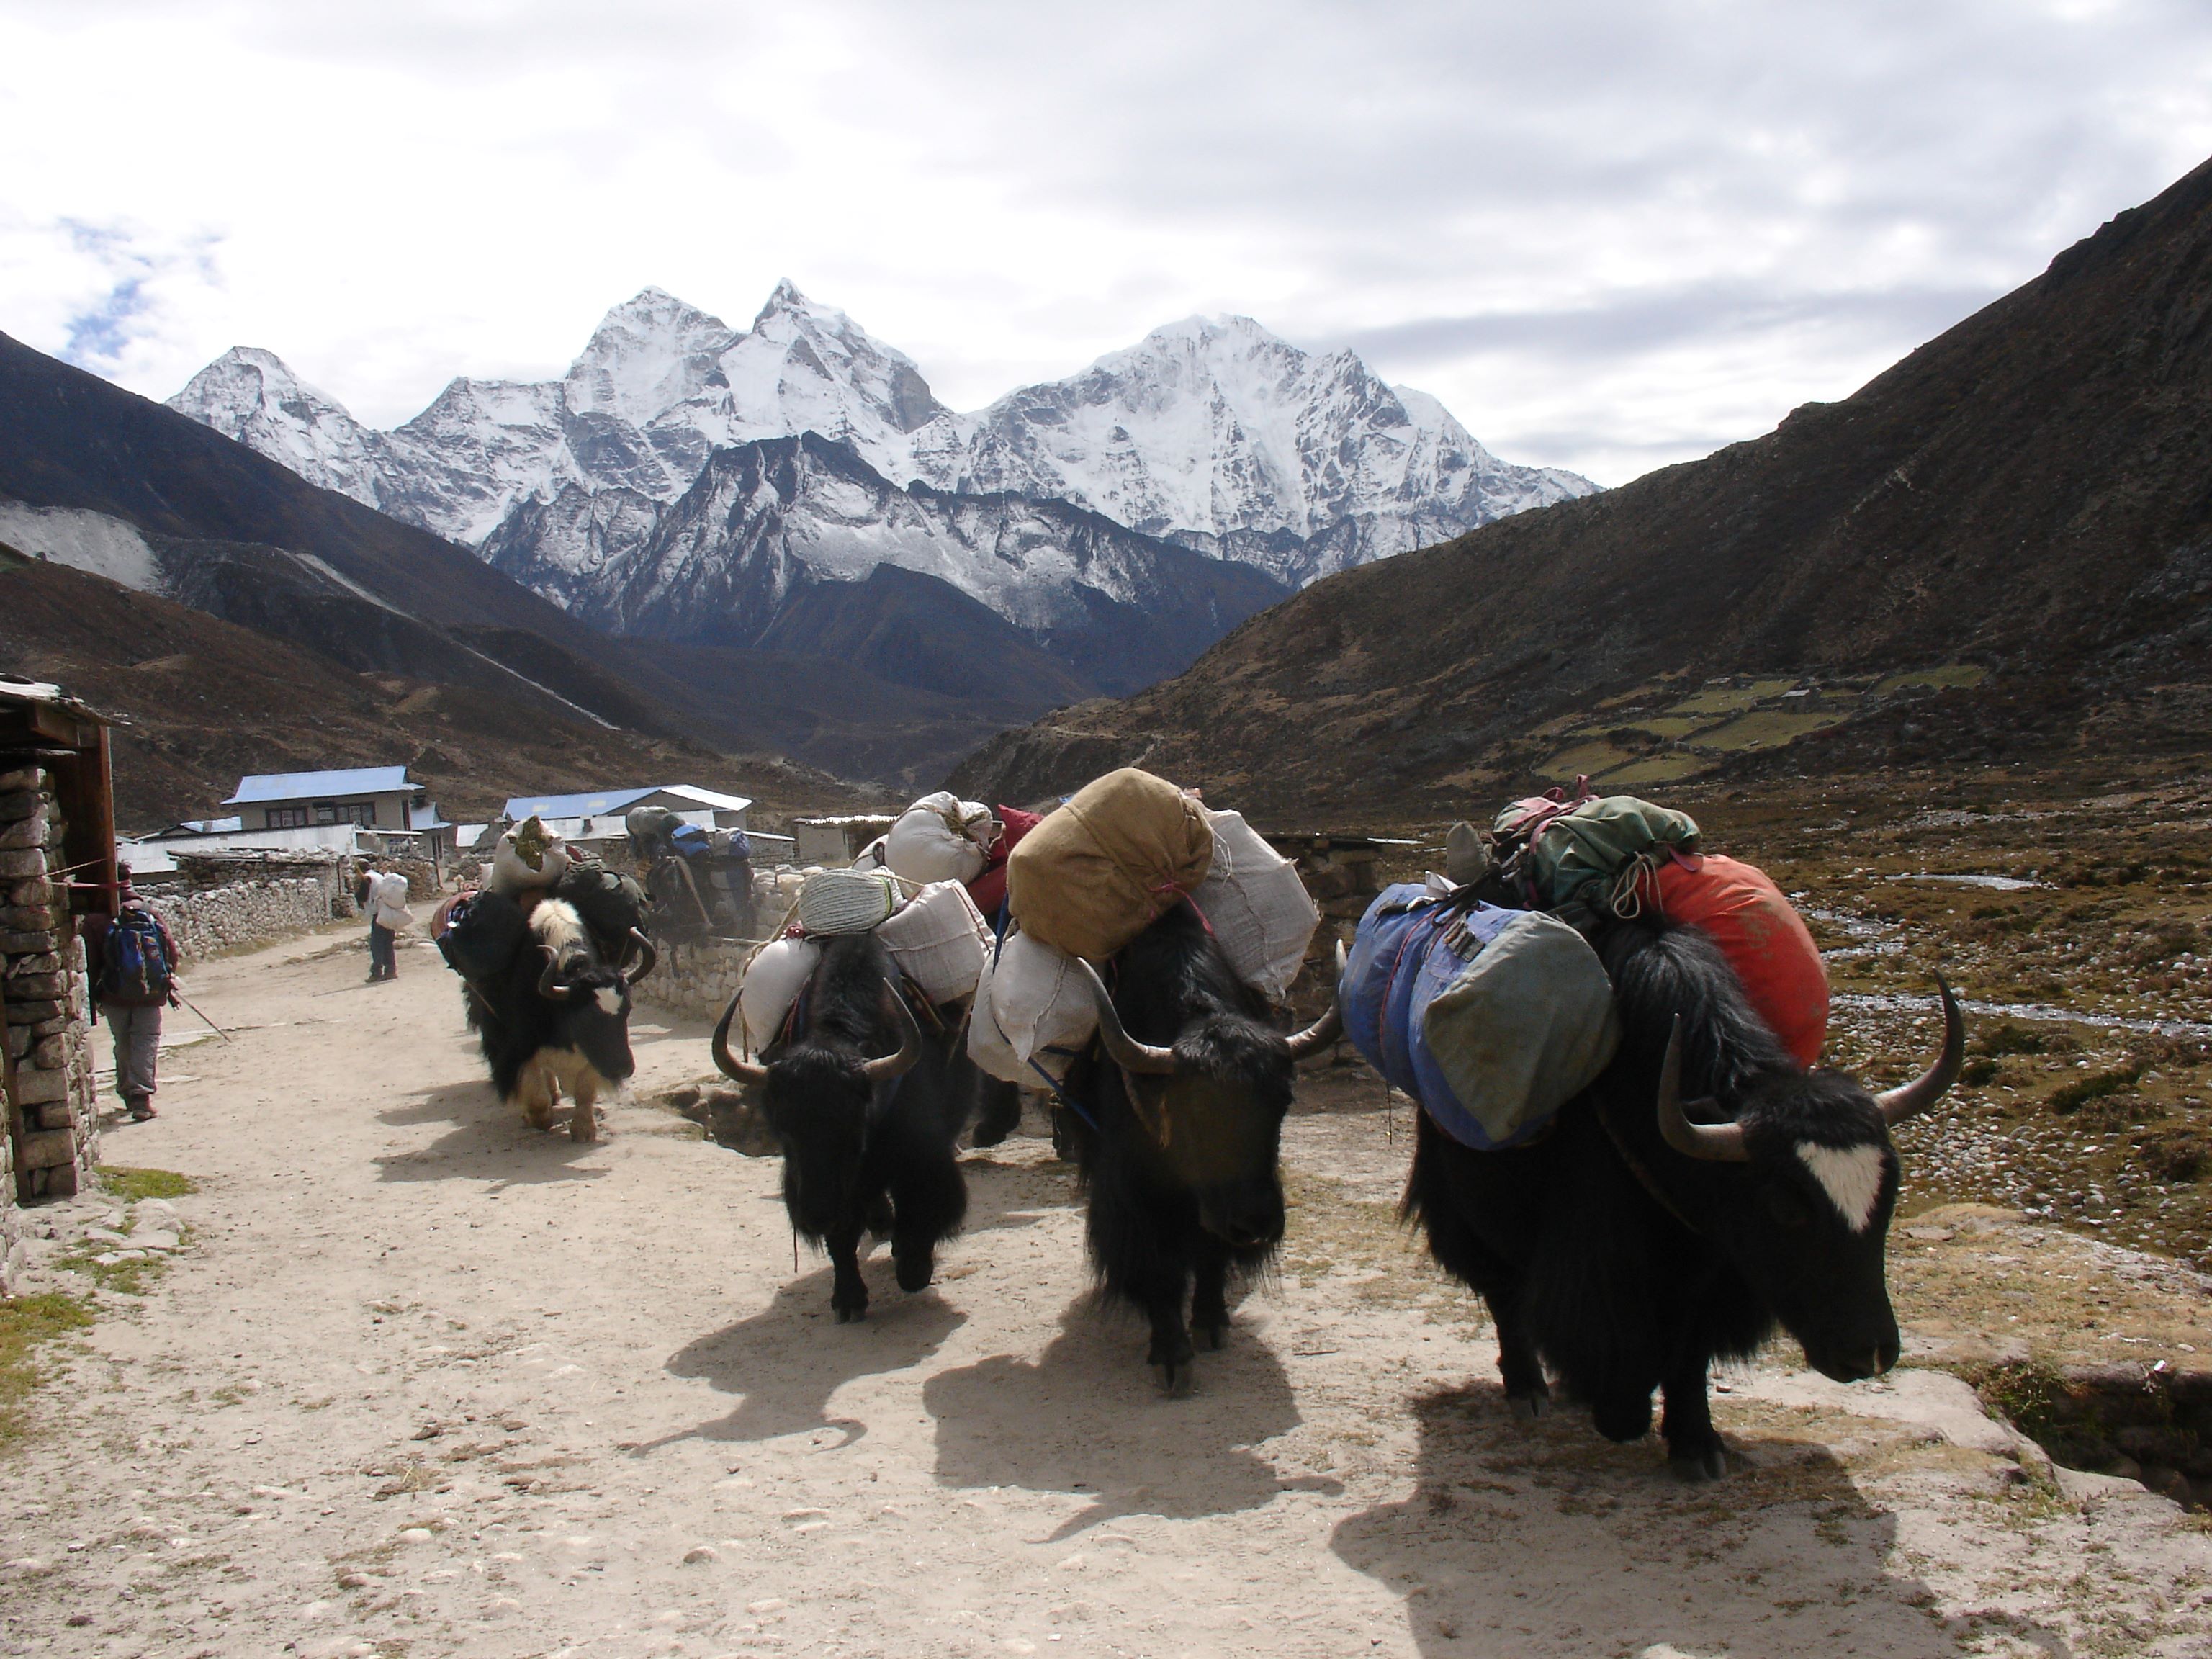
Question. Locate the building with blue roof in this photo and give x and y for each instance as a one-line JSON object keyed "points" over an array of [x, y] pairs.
{"points": [[373, 797], [728, 811]]}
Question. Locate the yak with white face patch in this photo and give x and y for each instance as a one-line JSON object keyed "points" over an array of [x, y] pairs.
{"points": [[1851, 1175]]}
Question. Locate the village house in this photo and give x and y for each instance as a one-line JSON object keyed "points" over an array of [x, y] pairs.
{"points": [[374, 797]]}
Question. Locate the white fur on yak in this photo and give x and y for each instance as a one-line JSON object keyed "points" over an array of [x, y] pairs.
{"points": [[1851, 1175], [552, 1072]]}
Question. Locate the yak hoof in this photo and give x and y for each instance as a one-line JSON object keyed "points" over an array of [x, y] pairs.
{"points": [[851, 1315], [1527, 1407], [1177, 1378], [1697, 1468], [1213, 1336]]}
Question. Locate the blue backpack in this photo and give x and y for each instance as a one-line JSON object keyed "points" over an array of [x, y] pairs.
{"points": [[1492, 1019], [1410, 947], [134, 965]]}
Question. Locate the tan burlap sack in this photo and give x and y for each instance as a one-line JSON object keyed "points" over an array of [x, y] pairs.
{"points": [[1096, 872]]}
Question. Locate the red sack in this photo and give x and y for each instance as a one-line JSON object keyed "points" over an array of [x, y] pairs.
{"points": [[988, 890], [1764, 939]]}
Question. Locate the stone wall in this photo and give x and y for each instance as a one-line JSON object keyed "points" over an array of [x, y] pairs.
{"points": [[243, 913], [52, 1127], [696, 981]]}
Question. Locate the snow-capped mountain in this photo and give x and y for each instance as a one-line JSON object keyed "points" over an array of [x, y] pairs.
{"points": [[1211, 434], [250, 395], [765, 519], [1225, 438]]}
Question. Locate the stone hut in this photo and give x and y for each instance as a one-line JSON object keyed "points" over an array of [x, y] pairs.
{"points": [[56, 861]]}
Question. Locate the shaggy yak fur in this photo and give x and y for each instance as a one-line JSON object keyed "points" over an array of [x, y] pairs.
{"points": [[1181, 1171], [557, 1019], [860, 1155], [1621, 1288]]}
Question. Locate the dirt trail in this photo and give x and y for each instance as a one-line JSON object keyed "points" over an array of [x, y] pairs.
{"points": [[424, 1382]]}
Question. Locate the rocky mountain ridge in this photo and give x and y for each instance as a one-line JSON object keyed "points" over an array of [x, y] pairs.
{"points": [[1213, 435]]}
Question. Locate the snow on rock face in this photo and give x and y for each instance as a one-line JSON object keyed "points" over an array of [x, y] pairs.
{"points": [[248, 394], [1218, 434], [647, 355], [1212, 434], [809, 367]]}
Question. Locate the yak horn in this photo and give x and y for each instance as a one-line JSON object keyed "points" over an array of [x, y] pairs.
{"points": [[650, 958], [551, 986], [1123, 1050], [738, 1071], [1923, 1092], [908, 1055], [1714, 1143], [1326, 1030]]}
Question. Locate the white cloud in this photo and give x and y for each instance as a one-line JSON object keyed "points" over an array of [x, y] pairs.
{"points": [[1608, 235]]}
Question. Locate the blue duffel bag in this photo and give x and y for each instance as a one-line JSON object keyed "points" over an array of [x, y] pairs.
{"points": [[1490, 1019]]}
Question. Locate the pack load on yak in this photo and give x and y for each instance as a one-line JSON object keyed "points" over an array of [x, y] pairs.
{"points": [[935, 934], [1596, 857], [1103, 866], [527, 859], [478, 933], [1087, 878], [700, 880], [939, 838], [1493, 1016], [988, 889]]}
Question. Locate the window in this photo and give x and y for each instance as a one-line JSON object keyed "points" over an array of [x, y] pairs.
{"points": [[346, 811], [287, 817]]}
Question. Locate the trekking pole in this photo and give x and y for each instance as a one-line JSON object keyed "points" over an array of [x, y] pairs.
{"points": [[194, 1007]]}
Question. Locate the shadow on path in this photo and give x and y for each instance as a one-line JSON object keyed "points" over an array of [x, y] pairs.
{"points": [[489, 1141], [789, 1358], [1543, 1541], [1085, 1417]]}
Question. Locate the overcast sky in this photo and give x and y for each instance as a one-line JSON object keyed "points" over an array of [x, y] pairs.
{"points": [[1608, 234]]}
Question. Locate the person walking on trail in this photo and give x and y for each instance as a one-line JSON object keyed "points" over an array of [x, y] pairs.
{"points": [[132, 962], [387, 914]]}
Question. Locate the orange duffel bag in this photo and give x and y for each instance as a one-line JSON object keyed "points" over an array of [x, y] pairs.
{"points": [[1096, 870], [1765, 939]]}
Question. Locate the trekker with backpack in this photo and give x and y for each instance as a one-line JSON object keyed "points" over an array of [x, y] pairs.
{"points": [[132, 964], [387, 914]]}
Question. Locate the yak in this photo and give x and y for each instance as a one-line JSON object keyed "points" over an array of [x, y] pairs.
{"points": [[1175, 1117], [555, 1018], [1643, 1237], [867, 1136]]}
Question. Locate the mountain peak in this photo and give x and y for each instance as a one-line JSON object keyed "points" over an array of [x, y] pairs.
{"points": [[252, 395], [648, 354]]}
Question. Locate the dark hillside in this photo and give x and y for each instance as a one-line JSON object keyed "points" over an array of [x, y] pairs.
{"points": [[203, 701], [2000, 548]]}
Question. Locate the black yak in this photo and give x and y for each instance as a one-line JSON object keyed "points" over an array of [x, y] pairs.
{"points": [[1642, 1237], [1177, 1122], [867, 1109], [554, 1018]]}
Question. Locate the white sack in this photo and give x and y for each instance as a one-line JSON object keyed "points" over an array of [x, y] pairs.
{"points": [[940, 838], [773, 980], [939, 941], [1258, 908], [834, 901], [1032, 1003], [512, 874]]}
